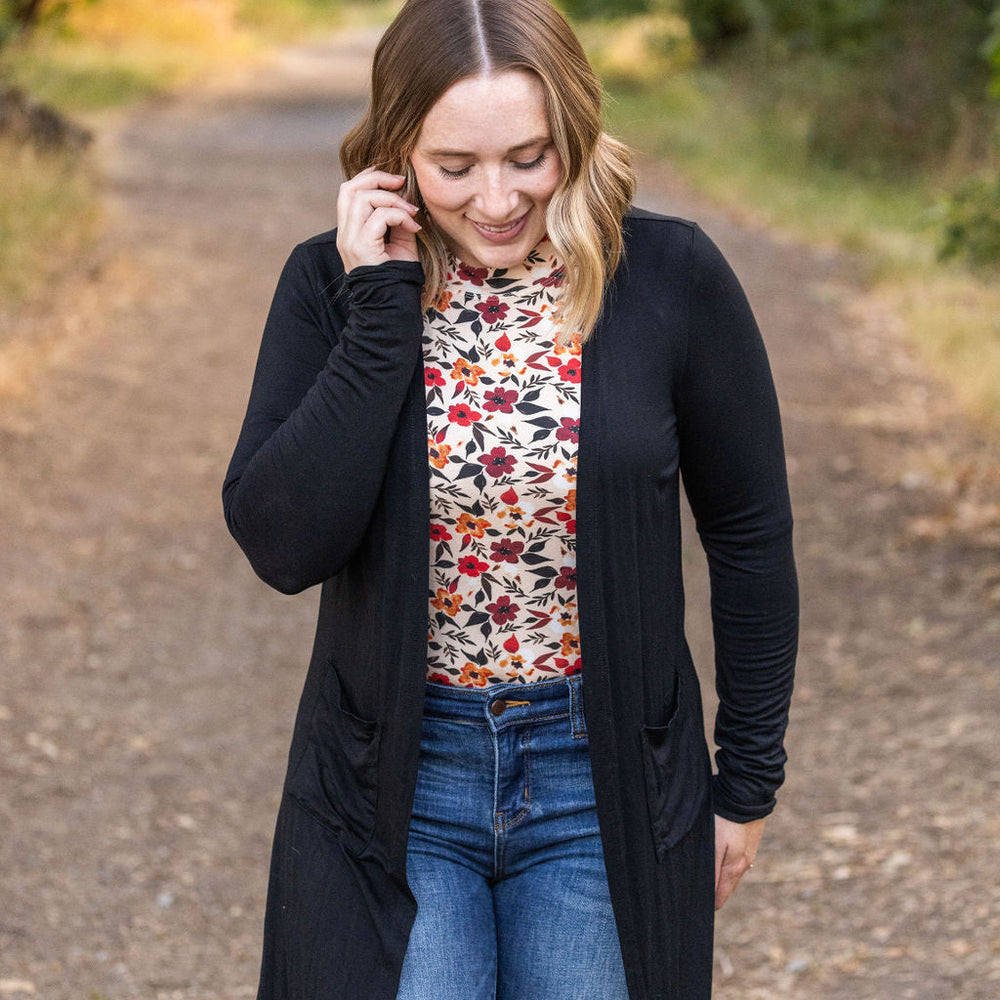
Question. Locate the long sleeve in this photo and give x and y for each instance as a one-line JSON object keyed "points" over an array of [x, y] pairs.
{"points": [[326, 397], [732, 462]]}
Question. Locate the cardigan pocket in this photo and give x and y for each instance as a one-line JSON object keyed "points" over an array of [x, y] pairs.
{"points": [[676, 770], [336, 780]]}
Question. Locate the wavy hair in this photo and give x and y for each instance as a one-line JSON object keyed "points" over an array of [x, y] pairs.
{"points": [[431, 45]]}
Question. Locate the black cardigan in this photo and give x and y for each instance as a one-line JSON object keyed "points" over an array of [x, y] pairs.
{"points": [[329, 484]]}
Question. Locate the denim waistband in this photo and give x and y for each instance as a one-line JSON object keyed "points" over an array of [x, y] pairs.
{"points": [[502, 705]]}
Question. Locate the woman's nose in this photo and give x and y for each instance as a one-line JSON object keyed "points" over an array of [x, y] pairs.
{"points": [[497, 200]]}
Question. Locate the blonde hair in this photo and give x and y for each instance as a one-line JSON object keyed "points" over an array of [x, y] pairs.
{"points": [[431, 45]]}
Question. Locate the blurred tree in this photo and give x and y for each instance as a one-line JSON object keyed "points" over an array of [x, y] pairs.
{"points": [[913, 90], [971, 222], [715, 23], [19, 16], [991, 50], [889, 85], [26, 12], [604, 8]]}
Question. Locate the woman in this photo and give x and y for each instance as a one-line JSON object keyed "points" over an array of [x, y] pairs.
{"points": [[498, 783]]}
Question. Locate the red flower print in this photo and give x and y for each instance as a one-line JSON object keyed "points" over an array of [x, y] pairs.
{"points": [[566, 580], [500, 400], [440, 679], [475, 675], [570, 429], [471, 566], [473, 275], [462, 414], [568, 667], [447, 602], [439, 533], [508, 551], [498, 462], [465, 371], [504, 611], [570, 372], [433, 376], [438, 453], [553, 280], [469, 525], [493, 309]]}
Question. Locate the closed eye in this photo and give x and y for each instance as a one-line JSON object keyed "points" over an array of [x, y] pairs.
{"points": [[517, 164], [454, 173], [534, 164]]}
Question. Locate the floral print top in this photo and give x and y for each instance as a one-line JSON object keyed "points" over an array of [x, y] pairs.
{"points": [[503, 418]]}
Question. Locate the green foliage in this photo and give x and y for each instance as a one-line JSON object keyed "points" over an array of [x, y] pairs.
{"points": [[585, 9], [971, 222], [991, 51], [890, 86], [912, 94], [19, 17], [714, 23]]}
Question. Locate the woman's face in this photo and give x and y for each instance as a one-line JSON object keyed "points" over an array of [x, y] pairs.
{"points": [[487, 168]]}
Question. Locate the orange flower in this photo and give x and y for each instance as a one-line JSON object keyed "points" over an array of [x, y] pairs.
{"points": [[475, 675], [570, 500], [570, 644], [469, 525], [515, 515], [465, 371], [438, 453], [447, 602], [443, 301]]}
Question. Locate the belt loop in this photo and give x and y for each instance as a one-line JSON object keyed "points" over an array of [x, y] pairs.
{"points": [[576, 715]]}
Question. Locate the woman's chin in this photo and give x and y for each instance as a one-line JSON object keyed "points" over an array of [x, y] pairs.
{"points": [[478, 251], [493, 256]]}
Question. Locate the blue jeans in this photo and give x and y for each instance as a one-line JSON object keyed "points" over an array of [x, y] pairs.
{"points": [[504, 854]]}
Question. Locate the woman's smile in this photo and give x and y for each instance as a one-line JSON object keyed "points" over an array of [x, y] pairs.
{"points": [[504, 233]]}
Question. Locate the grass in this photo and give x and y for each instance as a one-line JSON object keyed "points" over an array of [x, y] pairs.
{"points": [[48, 212], [746, 146], [743, 154]]}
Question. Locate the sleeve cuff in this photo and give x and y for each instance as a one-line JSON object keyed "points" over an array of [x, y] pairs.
{"points": [[737, 812], [408, 271]]}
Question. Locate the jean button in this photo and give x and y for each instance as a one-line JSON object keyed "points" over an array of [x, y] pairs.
{"points": [[498, 707]]}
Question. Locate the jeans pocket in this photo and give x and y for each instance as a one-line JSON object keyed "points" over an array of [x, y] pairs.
{"points": [[676, 770], [336, 779]]}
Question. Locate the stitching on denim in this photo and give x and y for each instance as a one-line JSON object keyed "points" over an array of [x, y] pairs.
{"points": [[531, 719], [506, 824], [452, 719]]}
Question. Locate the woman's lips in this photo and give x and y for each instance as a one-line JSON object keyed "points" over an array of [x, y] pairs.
{"points": [[501, 234]]}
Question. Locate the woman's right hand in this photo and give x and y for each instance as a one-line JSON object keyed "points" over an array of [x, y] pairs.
{"points": [[367, 209]]}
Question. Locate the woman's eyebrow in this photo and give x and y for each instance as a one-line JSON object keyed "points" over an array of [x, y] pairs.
{"points": [[520, 147]]}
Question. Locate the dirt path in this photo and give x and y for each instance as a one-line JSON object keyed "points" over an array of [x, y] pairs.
{"points": [[148, 680]]}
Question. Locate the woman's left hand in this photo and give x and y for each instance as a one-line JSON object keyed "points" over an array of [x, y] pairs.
{"points": [[735, 848]]}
